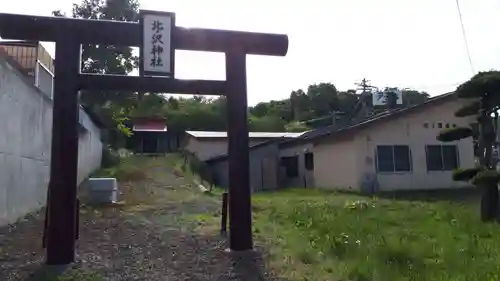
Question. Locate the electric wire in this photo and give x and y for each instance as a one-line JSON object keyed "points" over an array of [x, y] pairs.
{"points": [[464, 35]]}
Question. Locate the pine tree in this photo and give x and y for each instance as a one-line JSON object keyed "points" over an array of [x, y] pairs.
{"points": [[482, 92]]}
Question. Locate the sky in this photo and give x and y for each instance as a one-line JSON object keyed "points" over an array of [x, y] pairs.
{"points": [[412, 43]]}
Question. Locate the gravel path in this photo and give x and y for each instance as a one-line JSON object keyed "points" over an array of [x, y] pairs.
{"points": [[151, 237]]}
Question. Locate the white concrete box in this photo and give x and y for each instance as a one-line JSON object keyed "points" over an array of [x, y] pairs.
{"points": [[102, 190]]}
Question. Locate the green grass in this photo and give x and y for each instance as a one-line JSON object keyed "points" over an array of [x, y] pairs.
{"points": [[129, 169], [314, 235]]}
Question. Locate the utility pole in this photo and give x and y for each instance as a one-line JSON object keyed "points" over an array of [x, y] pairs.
{"points": [[364, 85], [364, 106]]}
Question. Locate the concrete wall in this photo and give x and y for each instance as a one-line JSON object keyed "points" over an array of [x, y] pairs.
{"points": [[349, 162], [263, 168], [335, 165], [25, 139], [305, 178], [415, 130]]}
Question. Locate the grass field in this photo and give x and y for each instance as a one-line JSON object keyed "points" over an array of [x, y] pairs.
{"points": [[314, 235]]}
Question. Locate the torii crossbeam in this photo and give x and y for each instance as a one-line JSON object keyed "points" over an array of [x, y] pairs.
{"points": [[69, 34]]}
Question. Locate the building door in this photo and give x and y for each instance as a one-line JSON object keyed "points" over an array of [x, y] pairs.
{"points": [[149, 144], [290, 165], [269, 173]]}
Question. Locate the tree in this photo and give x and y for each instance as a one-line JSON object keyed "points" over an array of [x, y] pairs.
{"points": [[108, 59], [391, 99], [266, 124], [193, 113], [482, 92], [300, 105], [260, 110], [317, 106], [413, 97], [296, 127], [150, 105], [323, 98], [347, 100]]}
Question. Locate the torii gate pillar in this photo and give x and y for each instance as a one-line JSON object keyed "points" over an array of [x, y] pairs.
{"points": [[70, 34]]}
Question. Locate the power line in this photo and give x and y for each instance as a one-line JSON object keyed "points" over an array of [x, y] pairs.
{"points": [[465, 37]]}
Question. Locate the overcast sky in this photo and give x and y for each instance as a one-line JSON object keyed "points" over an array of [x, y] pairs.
{"points": [[410, 43]]}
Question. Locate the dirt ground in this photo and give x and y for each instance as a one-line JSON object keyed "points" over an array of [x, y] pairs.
{"points": [[154, 235]]}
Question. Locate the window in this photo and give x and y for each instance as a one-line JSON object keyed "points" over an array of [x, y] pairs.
{"points": [[393, 158], [440, 125], [309, 161], [426, 125], [291, 165], [441, 157]]}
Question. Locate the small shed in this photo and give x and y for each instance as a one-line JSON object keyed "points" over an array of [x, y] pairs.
{"points": [[151, 136], [206, 145], [264, 168]]}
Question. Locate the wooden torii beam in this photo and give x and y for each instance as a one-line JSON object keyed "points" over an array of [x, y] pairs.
{"points": [[21, 27], [69, 34]]}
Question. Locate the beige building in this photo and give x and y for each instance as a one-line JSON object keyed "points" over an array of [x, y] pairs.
{"points": [[205, 144], [392, 151]]}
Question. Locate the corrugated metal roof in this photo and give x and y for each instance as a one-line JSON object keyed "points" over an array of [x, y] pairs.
{"points": [[383, 116], [208, 134]]}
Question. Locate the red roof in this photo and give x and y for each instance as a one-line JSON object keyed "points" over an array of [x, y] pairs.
{"points": [[150, 126]]}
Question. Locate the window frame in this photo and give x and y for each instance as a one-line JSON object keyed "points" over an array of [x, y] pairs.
{"points": [[441, 150], [311, 162], [394, 171]]}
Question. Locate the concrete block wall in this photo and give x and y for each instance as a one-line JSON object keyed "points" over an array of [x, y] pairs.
{"points": [[25, 140]]}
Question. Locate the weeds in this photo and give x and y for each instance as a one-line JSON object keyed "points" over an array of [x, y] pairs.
{"points": [[331, 236], [128, 169]]}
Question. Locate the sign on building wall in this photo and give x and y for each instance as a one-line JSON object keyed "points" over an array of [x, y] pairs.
{"points": [[157, 51]]}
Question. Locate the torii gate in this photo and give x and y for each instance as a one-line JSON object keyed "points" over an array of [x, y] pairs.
{"points": [[158, 37]]}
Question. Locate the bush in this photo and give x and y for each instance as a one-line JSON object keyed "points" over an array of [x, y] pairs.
{"points": [[486, 178], [110, 158], [465, 174], [129, 173], [483, 82], [122, 173]]}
